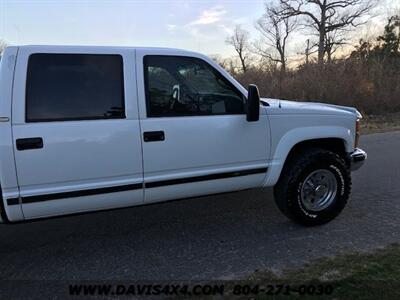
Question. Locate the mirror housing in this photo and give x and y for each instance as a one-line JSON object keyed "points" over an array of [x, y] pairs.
{"points": [[253, 104]]}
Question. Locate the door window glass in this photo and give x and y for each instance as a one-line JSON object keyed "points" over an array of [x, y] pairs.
{"points": [[63, 87], [187, 86]]}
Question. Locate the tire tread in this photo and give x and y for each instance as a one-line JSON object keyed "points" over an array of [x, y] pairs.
{"points": [[284, 189]]}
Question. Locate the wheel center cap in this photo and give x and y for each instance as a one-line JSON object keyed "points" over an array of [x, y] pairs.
{"points": [[320, 189]]}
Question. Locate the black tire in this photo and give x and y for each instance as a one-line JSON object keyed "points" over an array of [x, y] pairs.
{"points": [[287, 191]]}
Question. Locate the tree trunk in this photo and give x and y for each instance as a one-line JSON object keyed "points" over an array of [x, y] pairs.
{"points": [[321, 47], [242, 61], [244, 67], [283, 63], [329, 55], [322, 36]]}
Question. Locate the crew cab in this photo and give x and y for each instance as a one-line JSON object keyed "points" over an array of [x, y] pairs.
{"points": [[94, 128]]}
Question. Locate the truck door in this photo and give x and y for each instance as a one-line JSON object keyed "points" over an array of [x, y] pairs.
{"points": [[76, 131], [196, 139]]}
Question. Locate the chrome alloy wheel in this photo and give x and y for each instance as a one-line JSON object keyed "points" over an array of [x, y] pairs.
{"points": [[318, 190]]}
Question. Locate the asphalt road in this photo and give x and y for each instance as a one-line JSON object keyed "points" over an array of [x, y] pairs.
{"points": [[218, 237]]}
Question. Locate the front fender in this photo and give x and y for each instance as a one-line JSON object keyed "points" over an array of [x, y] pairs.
{"points": [[297, 135]]}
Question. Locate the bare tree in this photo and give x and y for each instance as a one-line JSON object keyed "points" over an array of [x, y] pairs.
{"points": [[326, 16], [308, 51], [333, 41], [275, 32], [225, 62], [240, 41]]}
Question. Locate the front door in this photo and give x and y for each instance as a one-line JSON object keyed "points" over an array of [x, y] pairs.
{"points": [[196, 139], [76, 132]]}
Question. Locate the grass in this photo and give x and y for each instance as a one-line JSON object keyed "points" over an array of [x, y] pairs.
{"points": [[352, 276], [380, 123]]}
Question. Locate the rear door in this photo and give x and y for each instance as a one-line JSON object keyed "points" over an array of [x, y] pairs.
{"points": [[76, 130]]}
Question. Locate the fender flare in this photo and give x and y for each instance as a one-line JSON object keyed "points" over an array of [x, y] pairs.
{"points": [[297, 135]]}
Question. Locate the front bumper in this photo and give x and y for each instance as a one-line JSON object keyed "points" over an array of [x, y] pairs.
{"points": [[357, 159]]}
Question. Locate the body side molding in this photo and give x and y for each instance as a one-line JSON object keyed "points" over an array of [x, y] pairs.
{"points": [[122, 188]]}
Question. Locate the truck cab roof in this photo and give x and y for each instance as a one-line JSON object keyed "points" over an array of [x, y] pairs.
{"points": [[102, 49]]}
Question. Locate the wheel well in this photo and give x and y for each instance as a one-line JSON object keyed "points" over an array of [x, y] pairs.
{"points": [[335, 145]]}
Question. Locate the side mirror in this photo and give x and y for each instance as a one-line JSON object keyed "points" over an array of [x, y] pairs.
{"points": [[253, 104]]}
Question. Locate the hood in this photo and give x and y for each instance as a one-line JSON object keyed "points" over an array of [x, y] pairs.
{"points": [[277, 106]]}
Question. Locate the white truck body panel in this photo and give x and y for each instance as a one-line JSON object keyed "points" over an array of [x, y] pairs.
{"points": [[78, 155], [200, 154], [200, 145], [8, 175]]}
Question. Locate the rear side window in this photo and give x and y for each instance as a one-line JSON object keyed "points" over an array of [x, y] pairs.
{"points": [[66, 87]]}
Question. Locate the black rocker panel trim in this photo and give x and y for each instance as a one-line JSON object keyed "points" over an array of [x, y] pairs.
{"points": [[129, 187], [91, 192], [205, 177]]}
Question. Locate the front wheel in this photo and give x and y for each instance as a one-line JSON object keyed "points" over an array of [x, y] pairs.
{"points": [[314, 187]]}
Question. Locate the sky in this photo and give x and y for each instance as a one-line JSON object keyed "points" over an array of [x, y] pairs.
{"points": [[200, 25]]}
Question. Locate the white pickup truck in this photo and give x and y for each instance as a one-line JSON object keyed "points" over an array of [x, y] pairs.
{"points": [[92, 128]]}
